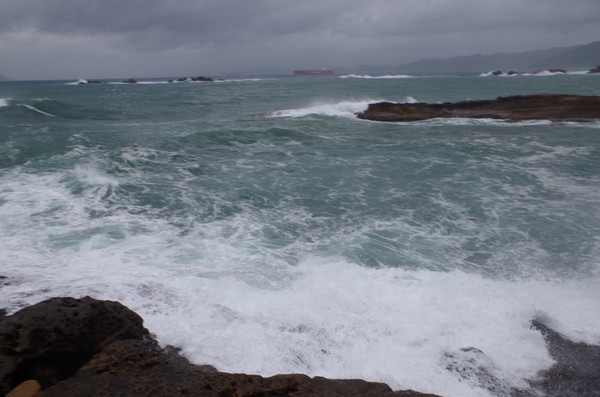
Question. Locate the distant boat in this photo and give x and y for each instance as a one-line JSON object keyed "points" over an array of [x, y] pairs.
{"points": [[314, 71]]}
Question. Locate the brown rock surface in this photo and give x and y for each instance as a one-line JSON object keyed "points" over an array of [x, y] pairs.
{"points": [[49, 341], [130, 368], [29, 388], [555, 107]]}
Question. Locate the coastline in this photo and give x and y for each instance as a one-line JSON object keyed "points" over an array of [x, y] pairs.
{"points": [[552, 107], [71, 347], [87, 347]]}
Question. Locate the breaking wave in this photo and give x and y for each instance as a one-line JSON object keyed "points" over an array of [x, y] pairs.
{"points": [[337, 109], [33, 108], [366, 76]]}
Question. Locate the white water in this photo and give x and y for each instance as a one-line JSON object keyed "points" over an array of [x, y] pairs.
{"points": [[3, 102], [37, 110], [326, 316], [366, 76], [335, 109]]}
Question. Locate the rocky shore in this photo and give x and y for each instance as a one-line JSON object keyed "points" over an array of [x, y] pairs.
{"points": [[66, 347], [86, 347], [553, 107]]}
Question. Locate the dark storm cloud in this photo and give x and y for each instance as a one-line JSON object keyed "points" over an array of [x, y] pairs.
{"points": [[196, 21], [282, 32]]}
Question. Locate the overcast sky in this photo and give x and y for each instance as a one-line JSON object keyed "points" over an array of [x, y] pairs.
{"points": [[64, 39]]}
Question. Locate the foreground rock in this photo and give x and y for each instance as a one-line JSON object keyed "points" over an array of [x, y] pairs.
{"points": [[51, 340], [85, 347], [577, 369], [554, 107]]}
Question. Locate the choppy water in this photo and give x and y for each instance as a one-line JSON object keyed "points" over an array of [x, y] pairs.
{"points": [[260, 226]]}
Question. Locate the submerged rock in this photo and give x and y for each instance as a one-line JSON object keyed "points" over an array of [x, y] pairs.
{"points": [[554, 107]]}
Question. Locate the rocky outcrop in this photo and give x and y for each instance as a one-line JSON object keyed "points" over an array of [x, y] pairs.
{"points": [[49, 341], [199, 78], [577, 369], [595, 70], [85, 347], [551, 70], [554, 107]]}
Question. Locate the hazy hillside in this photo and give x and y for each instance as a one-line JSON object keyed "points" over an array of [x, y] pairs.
{"points": [[581, 56]]}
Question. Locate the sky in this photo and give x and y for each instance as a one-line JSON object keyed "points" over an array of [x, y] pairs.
{"points": [[70, 39]]}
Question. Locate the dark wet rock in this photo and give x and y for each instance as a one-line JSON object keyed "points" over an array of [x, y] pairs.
{"points": [[130, 81], [84, 347], [555, 107], [471, 365], [595, 70], [551, 70], [49, 341], [577, 369], [130, 368], [199, 78]]}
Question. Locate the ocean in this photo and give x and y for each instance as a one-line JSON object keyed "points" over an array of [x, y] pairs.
{"points": [[260, 226]]}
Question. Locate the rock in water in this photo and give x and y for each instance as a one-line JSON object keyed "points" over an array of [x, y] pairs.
{"points": [[554, 107], [577, 369], [49, 341], [595, 70]]}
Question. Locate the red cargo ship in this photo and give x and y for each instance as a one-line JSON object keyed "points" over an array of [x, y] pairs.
{"points": [[315, 71]]}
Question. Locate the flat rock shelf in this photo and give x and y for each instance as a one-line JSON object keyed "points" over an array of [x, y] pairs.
{"points": [[553, 107]]}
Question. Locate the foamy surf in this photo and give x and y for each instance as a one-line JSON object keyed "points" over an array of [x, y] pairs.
{"points": [[346, 109], [3, 102], [33, 108], [329, 317], [366, 76]]}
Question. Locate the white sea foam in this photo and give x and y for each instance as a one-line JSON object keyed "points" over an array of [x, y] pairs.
{"points": [[37, 110], [242, 80], [366, 76], [336, 109], [4, 102], [339, 109], [203, 291], [326, 317]]}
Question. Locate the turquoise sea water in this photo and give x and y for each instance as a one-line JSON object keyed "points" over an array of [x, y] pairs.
{"points": [[260, 226]]}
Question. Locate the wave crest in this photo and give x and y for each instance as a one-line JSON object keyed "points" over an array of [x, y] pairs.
{"points": [[366, 76]]}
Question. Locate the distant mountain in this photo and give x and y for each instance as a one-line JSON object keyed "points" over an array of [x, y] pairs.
{"points": [[581, 56]]}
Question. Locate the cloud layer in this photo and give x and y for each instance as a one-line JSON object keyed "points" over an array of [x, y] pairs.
{"points": [[106, 38]]}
